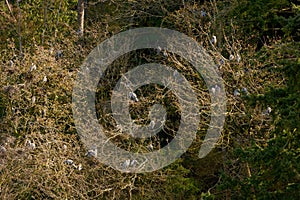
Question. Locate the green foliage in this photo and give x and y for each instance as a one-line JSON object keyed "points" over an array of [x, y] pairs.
{"points": [[275, 169], [274, 164], [260, 21], [180, 185], [39, 22]]}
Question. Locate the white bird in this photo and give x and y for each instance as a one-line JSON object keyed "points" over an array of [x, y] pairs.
{"points": [[268, 111], [44, 112], [158, 50], [69, 162], [134, 163], [33, 99], [217, 89], [58, 54], [245, 91], [152, 124], [236, 92], [238, 58], [165, 53], [92, 153], [133, 96], [2, 149], [231, 57], [32, 67], [79, 167], [222, 62], [150, 147], [30, 144], [11, 63], [126, 164], [214, 40], [203, 13], [213, 89], [45, 79]]}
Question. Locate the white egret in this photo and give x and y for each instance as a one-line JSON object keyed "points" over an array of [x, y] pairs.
{"points": [[245, 91], [217, 88], [32, 67], [222, 62], [30, 144], [2, 149], [69, 162], [45, 79], [238, 58], [133, 96], [79, 167], [126, 164], [214, 40], [92, 153], [236, 92], [150, 147], [134, 163], [33, 99], [213, 89], [58, 54], [268, 110], [11, 63]]}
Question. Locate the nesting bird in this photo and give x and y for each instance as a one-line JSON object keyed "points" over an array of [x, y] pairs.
{"points": [[33, 99], [133, 97], [236, 92], [215, 89], [203, 13], [150, 147], [79, 167], [238, 58], [268, 110], [32, 67], [231, 57], [158, 50], [134, 163], [11, 63], [69, 162], [30, 144], [58, 54], [126, 164], [152, 124], [245, 91], [222, 62], [45, 79], [214, 40], [92, 153], [2, 150]]}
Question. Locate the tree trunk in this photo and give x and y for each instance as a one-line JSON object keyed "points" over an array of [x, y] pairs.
{"points": [[81, 16]]}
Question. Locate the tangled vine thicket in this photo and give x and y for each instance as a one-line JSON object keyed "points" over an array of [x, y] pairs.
{"points": [[256, 54]]}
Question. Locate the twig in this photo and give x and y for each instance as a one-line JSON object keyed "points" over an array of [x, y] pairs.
{"points": [[10, 10], [19, 28]]}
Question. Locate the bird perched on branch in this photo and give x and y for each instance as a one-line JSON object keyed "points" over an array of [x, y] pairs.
{"points": [[214, 40], [133, 97]]}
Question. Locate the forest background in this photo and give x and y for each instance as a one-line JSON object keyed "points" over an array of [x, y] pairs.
{"points": [[257, 55]]}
